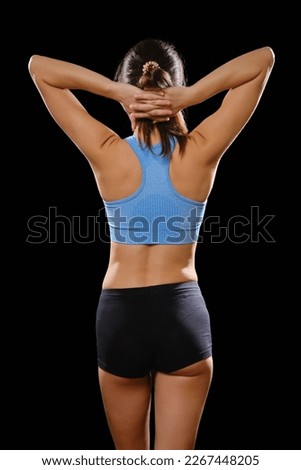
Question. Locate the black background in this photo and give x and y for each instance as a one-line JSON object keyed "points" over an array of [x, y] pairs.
{"points": [[51, 398]]}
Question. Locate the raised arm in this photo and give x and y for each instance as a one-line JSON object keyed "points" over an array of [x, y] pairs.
{"points": [[243, 78], [55, 79]]}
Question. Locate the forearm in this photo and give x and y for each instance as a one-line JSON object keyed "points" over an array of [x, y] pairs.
{"points": [[232, 74], [66, 75]]}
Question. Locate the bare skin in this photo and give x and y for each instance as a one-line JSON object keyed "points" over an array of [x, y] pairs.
{"points": [[180, 396]]}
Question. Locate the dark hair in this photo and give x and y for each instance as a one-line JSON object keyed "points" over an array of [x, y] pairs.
{"points": [[168, 71]]}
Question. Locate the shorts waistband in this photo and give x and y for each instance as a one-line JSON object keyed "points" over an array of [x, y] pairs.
{"points": [[152, 289]]}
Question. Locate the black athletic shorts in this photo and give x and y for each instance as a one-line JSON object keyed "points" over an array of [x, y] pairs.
{"points": [[156, 328]]}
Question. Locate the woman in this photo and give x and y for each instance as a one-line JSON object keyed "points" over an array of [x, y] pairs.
{"points": [[153, 328]]}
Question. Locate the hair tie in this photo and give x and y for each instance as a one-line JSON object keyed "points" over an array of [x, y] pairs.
{"points": [[148, 66]]}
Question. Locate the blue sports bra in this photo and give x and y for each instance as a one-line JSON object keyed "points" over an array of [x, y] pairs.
{"points": [[156, 213]]}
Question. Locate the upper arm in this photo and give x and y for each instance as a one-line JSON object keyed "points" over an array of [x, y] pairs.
{"points": [[86, 132], [222, 127]]}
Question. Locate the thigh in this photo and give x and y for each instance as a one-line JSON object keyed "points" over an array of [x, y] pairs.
{"points": [[127, 407], [180, 398]]}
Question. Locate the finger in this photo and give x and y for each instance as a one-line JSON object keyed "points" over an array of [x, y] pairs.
{"points": [[153, 103], [141, 115], [157, 102], [160, 112], [157, 114], [151, 110], [161, 120]]}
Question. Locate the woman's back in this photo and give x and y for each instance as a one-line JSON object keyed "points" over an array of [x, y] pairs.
{"points": [[190, 172], [189, 176]]}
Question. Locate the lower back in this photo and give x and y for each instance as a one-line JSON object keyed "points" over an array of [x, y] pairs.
{"points": [[142, 265]]}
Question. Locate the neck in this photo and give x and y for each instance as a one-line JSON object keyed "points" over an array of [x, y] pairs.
{"points": [[155, 135]]}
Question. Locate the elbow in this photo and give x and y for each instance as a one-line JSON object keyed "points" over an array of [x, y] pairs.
{"points": [[265, 59], [32, 64], [269, 57]]}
